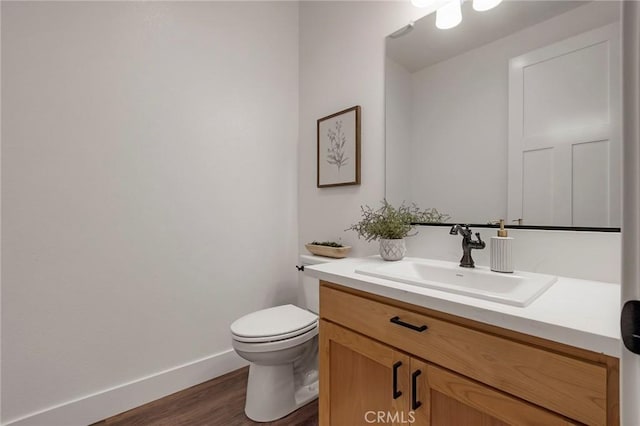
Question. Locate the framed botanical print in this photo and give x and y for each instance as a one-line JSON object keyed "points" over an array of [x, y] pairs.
{"points": [[339, 148]]}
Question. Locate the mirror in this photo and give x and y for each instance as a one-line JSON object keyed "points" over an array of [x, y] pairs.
{"points": [[515, 114]]}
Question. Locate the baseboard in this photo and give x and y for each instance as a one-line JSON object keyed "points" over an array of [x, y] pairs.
{"points": [[100, 405]]}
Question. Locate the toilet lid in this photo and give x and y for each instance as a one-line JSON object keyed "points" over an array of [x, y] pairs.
{"points": [[273, 322]]}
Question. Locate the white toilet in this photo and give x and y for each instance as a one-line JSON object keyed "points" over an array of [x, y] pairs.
{"points": [[282, 345]]}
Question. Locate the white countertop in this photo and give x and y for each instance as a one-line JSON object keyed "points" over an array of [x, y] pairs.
{"points": [[580, 313]]}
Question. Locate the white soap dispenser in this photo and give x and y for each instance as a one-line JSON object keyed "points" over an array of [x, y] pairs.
{"points": [[502, 251]]}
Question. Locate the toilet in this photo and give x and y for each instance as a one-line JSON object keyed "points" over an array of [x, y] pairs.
{"points": [[281, 343]]}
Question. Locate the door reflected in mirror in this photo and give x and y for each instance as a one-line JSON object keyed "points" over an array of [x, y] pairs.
{"points": [[515, 113]]}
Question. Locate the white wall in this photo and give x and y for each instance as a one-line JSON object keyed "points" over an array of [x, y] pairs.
{"points": [[398, 130], [460, 118], [149, 194], [341, 64], [584, 255]]}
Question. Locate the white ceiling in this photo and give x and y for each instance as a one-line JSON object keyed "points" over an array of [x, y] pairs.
{"points": [[427, 45]]}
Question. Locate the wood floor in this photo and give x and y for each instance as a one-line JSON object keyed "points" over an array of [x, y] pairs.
{"points": [[218, 402]]}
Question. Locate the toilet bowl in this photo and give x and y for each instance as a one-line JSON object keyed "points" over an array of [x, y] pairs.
{"points": [[281, 343]]}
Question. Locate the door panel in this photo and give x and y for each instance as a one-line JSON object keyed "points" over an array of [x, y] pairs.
{"points": [[565, 132], [630, 362], [357, 385], [456, 400]]}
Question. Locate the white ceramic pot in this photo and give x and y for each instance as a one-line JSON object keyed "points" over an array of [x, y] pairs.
{"points": [[392, 249]]}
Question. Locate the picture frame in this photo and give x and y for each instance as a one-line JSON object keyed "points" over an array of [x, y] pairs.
{"points": [[338, 162]]}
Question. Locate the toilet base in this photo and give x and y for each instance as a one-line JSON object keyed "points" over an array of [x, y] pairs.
{"points": [[271, 392]]}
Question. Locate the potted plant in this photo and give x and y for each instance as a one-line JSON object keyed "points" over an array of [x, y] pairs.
{"points": [[391, 225]]}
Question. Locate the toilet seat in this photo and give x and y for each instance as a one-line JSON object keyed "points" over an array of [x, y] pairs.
{"points": [[273, 324], [276, 337], [275, 345]]}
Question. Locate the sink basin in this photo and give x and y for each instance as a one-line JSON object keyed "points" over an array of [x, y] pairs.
{"points": [[517, 289]]}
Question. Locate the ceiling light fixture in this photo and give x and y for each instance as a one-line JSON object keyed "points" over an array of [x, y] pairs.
{"points": [[449, 15]]}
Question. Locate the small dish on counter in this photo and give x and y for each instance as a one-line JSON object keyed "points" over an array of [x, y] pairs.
{"points": [[327, 250]]}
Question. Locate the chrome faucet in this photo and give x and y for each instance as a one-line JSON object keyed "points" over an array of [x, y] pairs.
{"points": [[467, 244]]}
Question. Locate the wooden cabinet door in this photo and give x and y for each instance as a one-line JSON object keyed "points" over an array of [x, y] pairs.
{"points": [[362, 382], [447, 399]]}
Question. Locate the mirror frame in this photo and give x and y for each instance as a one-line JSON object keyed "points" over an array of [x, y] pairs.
{"points": [[530, 227]]}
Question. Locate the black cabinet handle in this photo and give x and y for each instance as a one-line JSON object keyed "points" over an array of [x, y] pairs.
{"points": [[396, 392], [396, 320], [415, 404]]}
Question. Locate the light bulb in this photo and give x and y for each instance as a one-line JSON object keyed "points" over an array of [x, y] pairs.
{"points": [[482, 5], [449, 15]]}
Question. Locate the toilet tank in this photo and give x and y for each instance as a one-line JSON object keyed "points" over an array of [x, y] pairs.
{"points": [[310, 285]]}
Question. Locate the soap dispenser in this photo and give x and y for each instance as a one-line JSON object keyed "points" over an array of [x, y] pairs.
{"points": [[502, 251]]}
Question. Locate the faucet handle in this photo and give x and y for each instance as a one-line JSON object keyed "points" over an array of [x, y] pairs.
{"points": [[478, 237]]}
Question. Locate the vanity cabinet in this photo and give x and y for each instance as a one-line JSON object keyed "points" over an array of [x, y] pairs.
{"points": [[388, 362]]}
